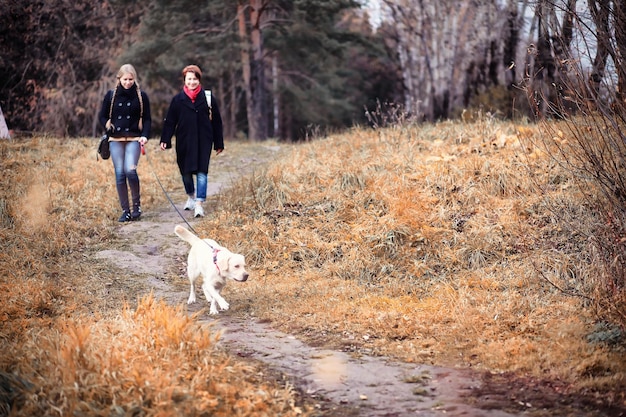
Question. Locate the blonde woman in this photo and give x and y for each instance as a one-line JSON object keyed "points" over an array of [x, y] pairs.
{"points": [[197, 124], [125, 114]]}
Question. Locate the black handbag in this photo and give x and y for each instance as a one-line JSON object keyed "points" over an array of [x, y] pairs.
{"points": [[103, 147]]}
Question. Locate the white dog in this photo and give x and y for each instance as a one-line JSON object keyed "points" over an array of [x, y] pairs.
{"points": [[215, 263]]}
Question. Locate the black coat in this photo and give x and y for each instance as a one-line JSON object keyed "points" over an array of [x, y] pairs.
{"points": [[195, 134], [126, 113]]}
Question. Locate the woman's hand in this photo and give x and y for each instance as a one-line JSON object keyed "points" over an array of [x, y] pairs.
{"points": [[163, 146]]}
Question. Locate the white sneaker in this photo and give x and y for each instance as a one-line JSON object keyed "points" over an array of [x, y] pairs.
{"points": [[190, 204], [198, 211]]}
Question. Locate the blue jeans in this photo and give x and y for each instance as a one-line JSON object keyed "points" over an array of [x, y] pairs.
{"points": [[125, 156], [200, 191]]}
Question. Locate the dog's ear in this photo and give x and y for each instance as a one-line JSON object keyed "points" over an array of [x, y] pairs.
{"points": [[222, 261]]}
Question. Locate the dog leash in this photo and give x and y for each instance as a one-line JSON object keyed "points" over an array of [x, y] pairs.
{"points": [[215, 250], [143, 152]]}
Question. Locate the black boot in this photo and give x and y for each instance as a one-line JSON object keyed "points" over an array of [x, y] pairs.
{"points": [[136, 214], [125, 217]]}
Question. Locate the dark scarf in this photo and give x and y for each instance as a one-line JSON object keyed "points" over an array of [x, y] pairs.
{"points": [[126, 92]]}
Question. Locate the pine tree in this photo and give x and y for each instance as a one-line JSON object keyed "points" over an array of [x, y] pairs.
{"points": [[286, 64]]}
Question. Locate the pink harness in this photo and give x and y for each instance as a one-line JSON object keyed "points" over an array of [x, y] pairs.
{"points": [[215, 259]]}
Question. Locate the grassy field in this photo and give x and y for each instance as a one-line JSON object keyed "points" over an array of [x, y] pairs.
{"points": [[452, 244]]}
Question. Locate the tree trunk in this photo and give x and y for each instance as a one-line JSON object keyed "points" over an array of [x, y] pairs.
{"points": [[234, 101], [549, 78], [246, 69], [620, 41], [600, 14], [250, 16], [221, 92], [259, 117], [4, 129], [542, 75], [276, 96]]}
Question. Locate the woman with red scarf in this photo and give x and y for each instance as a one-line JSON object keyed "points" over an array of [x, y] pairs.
{"points": [[197, 125]]}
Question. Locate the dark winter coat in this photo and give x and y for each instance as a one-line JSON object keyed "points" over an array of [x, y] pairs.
{"points": [[126, 113], [195, 134]]}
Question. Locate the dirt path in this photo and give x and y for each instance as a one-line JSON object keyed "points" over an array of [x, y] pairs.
{"points": [[345, 385]]}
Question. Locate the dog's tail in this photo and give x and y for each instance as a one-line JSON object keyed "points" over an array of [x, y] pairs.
{"points": [[186, 235]]}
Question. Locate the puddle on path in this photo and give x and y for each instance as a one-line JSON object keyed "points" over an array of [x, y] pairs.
{"points": [[372, 386]]}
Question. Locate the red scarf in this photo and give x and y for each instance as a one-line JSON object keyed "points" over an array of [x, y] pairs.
{"points": [[192, 94]]}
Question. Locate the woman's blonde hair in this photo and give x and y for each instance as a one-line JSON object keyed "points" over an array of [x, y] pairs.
{"points": [[127, 69]]}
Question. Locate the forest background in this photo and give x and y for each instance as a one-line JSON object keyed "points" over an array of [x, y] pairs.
{"points": [[281, 69]]}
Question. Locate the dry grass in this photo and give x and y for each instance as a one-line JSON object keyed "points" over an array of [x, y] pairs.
{"points": [[80, 343], [428, 244]]}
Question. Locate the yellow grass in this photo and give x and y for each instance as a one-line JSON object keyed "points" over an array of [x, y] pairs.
{"points": [[427, 244], [76, 336], [436, 248]]}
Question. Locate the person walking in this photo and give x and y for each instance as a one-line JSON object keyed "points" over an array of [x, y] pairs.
{"points": [[125, 115], [194, 117]]}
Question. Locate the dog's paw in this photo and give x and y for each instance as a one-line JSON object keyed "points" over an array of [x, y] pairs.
{"points": [[224, 306], [213, 311], [192, 299]]}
